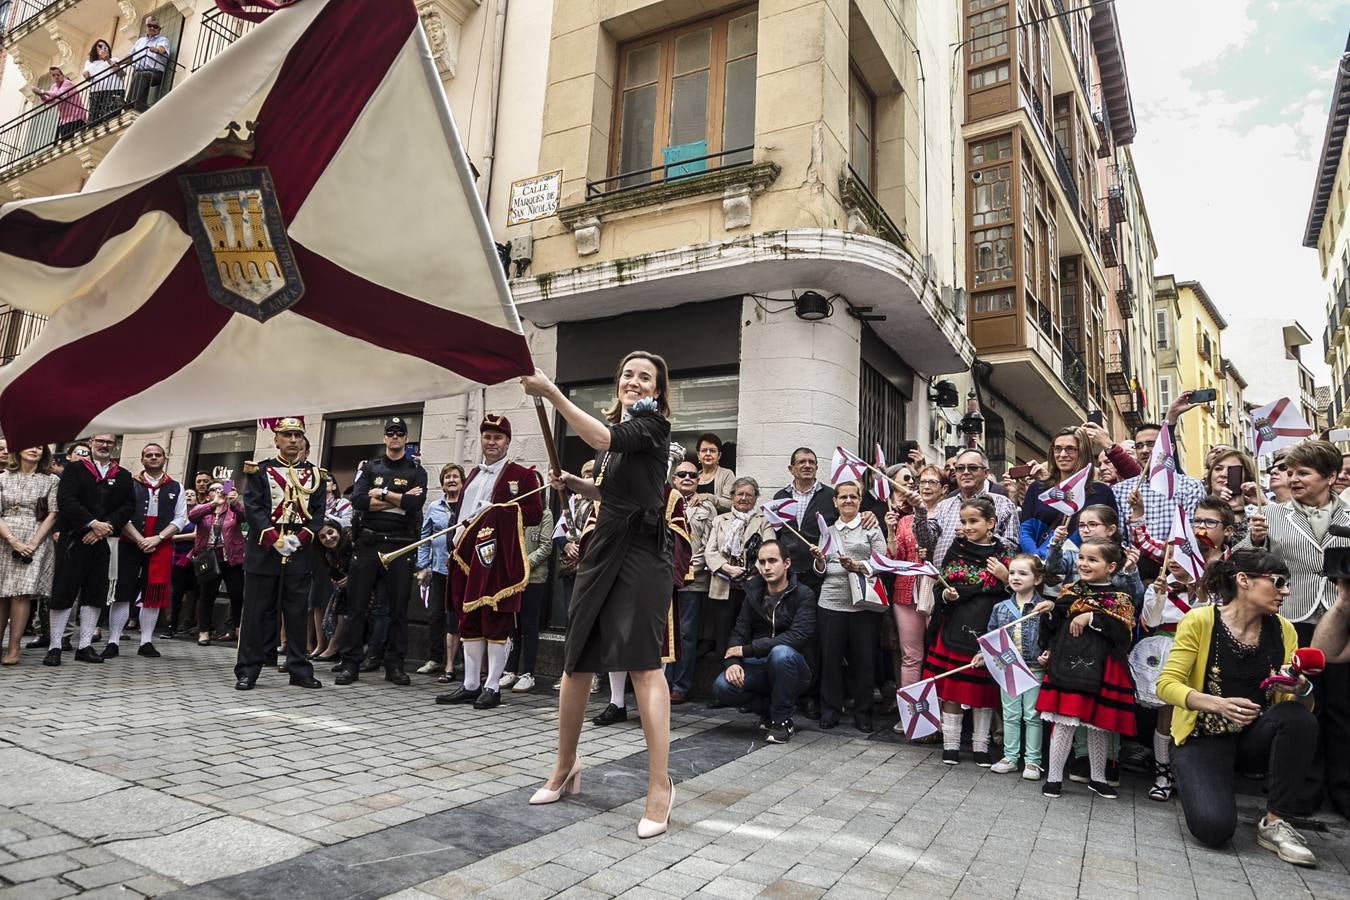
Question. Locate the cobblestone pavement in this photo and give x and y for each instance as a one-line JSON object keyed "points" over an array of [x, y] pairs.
{"points": [[150, 777]]}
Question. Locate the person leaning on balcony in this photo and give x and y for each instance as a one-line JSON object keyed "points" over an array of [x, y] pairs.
{"points": [[70, 112], [149, 58], [105, 72]]}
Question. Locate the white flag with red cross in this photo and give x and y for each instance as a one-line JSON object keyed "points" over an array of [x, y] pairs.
{"points": [[1003, 659], [919, 709], [295, 227], [1070, 494], [845, 466], [1186, 550], [881, 485], [1277, 425], [829, 544], [902, 567], [1162, 465], [779, 513]]}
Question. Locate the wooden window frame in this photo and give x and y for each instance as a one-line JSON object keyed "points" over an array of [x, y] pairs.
{"points": [[665, 79], [854, 75]]}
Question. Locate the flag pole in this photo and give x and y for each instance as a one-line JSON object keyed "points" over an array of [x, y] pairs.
{"points": [[970, 665], [547, 431]]}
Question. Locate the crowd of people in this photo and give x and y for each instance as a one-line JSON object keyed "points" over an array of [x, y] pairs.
{"points": [[777, 606]]}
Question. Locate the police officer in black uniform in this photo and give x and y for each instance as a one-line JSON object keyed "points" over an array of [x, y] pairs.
{"points": [[284, 502], [388, 498]]}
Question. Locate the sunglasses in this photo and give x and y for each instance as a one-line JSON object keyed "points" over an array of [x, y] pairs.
{"points": [[1279, 582], [967, 468], [152, 28], [686, 474]]}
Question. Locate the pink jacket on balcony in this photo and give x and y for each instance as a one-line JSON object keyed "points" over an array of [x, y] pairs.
{"points": [[70, 105], [204, 517]]}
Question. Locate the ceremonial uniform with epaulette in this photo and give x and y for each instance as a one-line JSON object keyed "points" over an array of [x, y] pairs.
{"points": [[388, 497], [284, 502]]}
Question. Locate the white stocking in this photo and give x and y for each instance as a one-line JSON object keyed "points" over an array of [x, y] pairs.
{"points": [[1061, 742], [149, 618], [617, 680], [984, 722], [117, 620], [951, 731], [474, 651], [57, 628], [1162, 748], [1096, 738], [496, 655], [88, 622]]}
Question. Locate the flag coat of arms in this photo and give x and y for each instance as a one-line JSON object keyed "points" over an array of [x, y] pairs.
{"points": [[1162, 466], [881, 485], [779, 513], [845, 466], [1186, 550], [1003, 659], [1277, 425], [919, 709], [1070, 494], [302, 205]]}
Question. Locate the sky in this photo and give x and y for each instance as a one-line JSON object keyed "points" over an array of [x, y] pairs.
{"points": [[1230, 101]]}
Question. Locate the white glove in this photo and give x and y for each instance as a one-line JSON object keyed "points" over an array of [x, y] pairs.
{"points": [[289, 544]]}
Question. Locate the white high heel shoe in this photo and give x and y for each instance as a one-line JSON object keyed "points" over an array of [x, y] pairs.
{"points": [[570, 785], [649, 828]]}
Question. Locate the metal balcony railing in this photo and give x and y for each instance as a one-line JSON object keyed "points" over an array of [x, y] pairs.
{"points": [[1106, 234], [1343, 301], [85, 105], [674, 168], [218, 31], [23, 12], [17, 330], [1125, 293], [1101, 120], [1118, 373], [1066, 179]]}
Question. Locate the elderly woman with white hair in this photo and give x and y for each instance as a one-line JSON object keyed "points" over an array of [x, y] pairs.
{"points": [[729, 552]]}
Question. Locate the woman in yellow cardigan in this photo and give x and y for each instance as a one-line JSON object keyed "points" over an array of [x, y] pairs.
{"points": [[1223, 717]]}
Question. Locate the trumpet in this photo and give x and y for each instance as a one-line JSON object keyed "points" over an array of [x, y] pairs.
{"points": [[387, 558]]}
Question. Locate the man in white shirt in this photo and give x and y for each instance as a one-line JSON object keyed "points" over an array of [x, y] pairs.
{"points": [[149, 60]]}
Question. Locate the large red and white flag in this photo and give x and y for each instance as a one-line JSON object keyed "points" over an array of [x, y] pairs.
{"points": [[1070, 494], [1186, 550], [1277, 425], [332, 254], [1003, 660], [845, 466], [1162, 465], [919, 707]]}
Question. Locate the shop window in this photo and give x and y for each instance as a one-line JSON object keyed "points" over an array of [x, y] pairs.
{"points": [[221, 452]]}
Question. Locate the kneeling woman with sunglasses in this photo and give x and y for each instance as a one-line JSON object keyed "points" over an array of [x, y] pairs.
{"points": [[1225, 719]]}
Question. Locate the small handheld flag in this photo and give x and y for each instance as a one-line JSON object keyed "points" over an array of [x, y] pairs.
{"points": [[1186, 550], [779, 513], [829, 545], [1277, 425], [1070, 494], [844, 466], [881, 485], [1003, 659], [901, 567], [919, 706], [1162, 466]]}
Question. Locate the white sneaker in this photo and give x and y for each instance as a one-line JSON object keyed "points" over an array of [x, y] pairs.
{"points": [[1033, 772], [1281, 838], [557, 685], [1004, 766], [595, 684], [508, 679], [430, 667], [523, 683]]}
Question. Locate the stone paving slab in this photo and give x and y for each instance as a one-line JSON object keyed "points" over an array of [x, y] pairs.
{"points": [[148, 777]]}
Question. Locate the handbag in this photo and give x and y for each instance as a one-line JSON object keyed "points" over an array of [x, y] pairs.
{"points": [[206, 565], [864, 591]]}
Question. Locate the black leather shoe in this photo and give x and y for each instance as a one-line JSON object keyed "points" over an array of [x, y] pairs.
{"points": [[40, 640], [487, 698], [611, 715], [811, 708], [370, 664], [88, 654], [310, 682], [345, 676], [459, 695], [148, 650], [398, 676], [243, 684], [66, 644], [864, 724], [283, 666], [828, 719], [53, 658], [111, 651]]}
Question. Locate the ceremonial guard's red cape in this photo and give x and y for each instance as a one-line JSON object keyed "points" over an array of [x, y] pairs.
{"points": [[490, 565]]}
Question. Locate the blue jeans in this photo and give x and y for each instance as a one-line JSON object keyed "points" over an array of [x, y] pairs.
{"points": [[680, 673], [777, 679]]}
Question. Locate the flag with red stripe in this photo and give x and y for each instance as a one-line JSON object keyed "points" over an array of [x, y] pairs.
{"points": [[328, 250], [1003, 660], [845, 466], [1070, 494], [919, 707], [1277, 425], [1162, 466]]}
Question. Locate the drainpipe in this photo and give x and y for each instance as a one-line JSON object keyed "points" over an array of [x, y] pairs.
{"points": [[490, 141]]}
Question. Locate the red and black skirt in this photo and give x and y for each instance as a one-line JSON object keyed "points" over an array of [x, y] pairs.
{"points": [[973, 687], [1110, 709]]}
